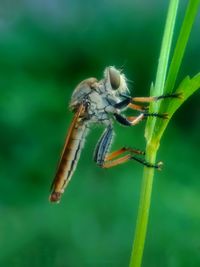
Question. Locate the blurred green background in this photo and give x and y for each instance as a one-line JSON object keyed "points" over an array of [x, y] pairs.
{"points": [[46, 48]]}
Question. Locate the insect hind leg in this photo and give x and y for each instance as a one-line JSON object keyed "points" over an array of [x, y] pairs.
{"points": [[103, 145], [105, 159], [108, 160]]}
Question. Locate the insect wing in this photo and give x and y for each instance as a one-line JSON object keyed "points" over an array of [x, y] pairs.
{"points": [[60, 180]]}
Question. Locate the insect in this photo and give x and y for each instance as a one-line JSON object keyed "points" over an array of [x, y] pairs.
{"points": [[101, 102]]}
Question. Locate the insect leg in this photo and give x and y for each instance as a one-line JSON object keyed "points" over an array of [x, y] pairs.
{"points": [[159, 115], [147, 164], [105, 160], [101, 155], [112, 163], [155, 98], [109, 164], [124, 103], [138, 107], [127, 103], [129, 121], [121, 151], [103, 145]]}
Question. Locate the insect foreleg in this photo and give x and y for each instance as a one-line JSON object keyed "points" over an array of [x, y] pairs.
{"points": [[159, 115], [130, 101], [127, 103], [138, 107], [155, 98], [124, 103], [129, 121]]}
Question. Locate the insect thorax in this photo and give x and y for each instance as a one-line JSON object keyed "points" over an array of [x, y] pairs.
{"points": [[101, 96], [100, 101]]}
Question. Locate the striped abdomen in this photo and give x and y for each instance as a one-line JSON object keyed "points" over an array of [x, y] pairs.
{"points": [[69, 158]]}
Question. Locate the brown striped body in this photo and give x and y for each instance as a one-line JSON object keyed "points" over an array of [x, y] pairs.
{"points": [[69, 159], [73, 145]]}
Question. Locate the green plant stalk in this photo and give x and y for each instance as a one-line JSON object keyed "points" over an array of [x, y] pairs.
{"points": [[181, 44], [180, 47], [143, 211], [188, 87], [158, 89], [151, 149]]}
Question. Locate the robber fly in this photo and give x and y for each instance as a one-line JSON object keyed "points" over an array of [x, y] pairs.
{"points": [[101, 102]]}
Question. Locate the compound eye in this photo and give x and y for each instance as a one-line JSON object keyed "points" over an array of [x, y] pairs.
{"points": [[114, 78]]}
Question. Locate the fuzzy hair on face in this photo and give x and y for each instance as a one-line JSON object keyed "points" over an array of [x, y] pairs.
{"points": [[116, 80]]}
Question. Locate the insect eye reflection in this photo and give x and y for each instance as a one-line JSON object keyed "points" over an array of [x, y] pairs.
{"points": [[114, 78]]}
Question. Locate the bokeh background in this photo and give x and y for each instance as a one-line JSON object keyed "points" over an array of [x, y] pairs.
{"points": [[46, 48]]}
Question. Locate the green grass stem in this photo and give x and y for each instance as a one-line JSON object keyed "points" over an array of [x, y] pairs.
{"points": [[164, 82]]}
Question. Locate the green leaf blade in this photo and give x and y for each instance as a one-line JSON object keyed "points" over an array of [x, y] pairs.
{"points": [[190, 15], [186, 88], [158, 88]]}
